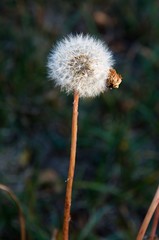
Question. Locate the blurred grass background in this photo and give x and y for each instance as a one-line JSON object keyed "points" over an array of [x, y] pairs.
{"points": [[117, 158]]}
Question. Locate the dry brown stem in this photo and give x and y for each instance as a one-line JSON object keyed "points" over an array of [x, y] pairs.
{"points": [[155, 223], [21, 215], [148, 216], [71, 169]]}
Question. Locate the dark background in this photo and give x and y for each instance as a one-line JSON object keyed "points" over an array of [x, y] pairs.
{"points": [[117, 158]]}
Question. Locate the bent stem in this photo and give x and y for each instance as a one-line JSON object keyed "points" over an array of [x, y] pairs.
{"points": [[71, 168], [155, 223], [148, 216], [21, 215]]}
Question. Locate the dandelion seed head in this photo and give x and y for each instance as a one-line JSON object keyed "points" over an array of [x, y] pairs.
{"points": [[80, 63]]}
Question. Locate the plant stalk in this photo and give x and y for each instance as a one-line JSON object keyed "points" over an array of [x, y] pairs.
{"points": [[21, 215], [68, 196], [155, 223], [148, 216]]}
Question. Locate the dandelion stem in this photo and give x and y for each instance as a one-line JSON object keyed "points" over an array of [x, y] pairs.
{"points": [[155, 223], [148, 216], [71, 168]]}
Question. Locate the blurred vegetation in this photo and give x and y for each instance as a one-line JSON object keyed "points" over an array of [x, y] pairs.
{"points": [[117, 158]]}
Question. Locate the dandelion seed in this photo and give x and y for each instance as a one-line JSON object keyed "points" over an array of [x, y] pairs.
{"points": [[80, 63]]}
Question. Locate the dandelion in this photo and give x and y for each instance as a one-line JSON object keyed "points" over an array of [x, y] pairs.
{"points": [[81, 65]]}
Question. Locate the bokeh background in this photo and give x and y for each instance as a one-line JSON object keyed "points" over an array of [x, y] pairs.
{"points": [[118, 140]]}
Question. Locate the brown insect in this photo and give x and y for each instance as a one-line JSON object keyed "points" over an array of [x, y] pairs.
{"points": [[114, 79]]}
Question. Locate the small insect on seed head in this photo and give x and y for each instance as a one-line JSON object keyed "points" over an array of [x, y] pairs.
{"points": [[114, 79]]}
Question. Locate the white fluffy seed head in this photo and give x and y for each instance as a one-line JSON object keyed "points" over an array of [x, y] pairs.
{"points": [[80, 63]]}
